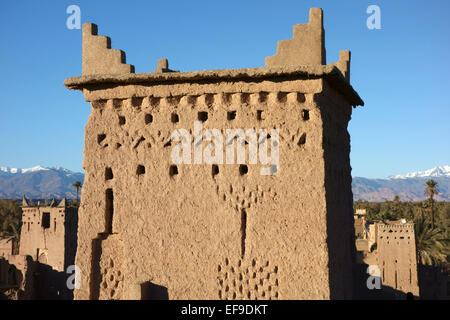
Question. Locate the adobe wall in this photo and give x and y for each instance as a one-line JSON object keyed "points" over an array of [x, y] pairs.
{"points": [[18, 272], [215, 231]]}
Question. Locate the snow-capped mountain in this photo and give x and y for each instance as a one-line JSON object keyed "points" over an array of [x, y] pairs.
{"points": [[8, 170], [409, 187], [440, 171], [38, 182]]}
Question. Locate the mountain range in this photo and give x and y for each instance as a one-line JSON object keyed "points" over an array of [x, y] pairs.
{"points": [[56, 182], [409, 187], [38, 182]]}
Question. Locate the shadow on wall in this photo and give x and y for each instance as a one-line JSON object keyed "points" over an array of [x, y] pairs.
{"points": [[434, 282], [151, 291], [10, 281], [362, 292], [51, 284]]}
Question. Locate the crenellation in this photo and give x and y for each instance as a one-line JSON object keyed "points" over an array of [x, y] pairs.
{"points": [[98, 57]]}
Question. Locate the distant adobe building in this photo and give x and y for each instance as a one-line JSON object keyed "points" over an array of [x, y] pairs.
{"points": [[152, 228], [396, 247], [7, 245], [49, 233], [48, 243]]}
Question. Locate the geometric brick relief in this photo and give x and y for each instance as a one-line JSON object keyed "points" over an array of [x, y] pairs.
{"points": [[294, 138], [247, 280], [111, 269], [241, 199], [160, 139], [245, 197], [111, 286]]}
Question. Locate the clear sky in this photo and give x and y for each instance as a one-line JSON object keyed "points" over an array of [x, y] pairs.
{"points": [[401, 71]]}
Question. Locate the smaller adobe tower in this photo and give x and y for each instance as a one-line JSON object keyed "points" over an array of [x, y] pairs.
{"points": [[397, 256], [49, 233]]}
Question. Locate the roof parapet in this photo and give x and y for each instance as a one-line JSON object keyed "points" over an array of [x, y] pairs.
{"points": [[344, 64], [25, 202], [307, 46], [98, 57], [63, 203], [163, 66]]}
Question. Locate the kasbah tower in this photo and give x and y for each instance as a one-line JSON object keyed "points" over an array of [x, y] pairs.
{"points": [[152, 228]]}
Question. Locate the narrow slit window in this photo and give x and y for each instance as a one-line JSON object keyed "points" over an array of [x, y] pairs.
{"points": [[109, 210]]}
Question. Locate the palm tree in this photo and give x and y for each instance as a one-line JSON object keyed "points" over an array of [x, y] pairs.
{"points": [[431, 191], [422, 205], [77, 186], [431, 244]]}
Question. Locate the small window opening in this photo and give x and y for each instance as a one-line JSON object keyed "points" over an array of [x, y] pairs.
{"points": [[46, 220], [140, 170], [215, 170], [108, 174], [203, 116], [122, 120], [173, 170], [148, 118], [174, 118], [231, 115], [243, 169], [260, 115], [305, 114]]}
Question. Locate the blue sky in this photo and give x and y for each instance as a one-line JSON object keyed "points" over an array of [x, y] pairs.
{"points": [[401, 71]]}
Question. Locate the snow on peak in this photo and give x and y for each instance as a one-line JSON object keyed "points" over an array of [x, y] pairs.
{"points": [[440, 171], [33, 169]]}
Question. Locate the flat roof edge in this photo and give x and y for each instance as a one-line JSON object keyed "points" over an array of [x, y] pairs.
{"points": [[328, 72]]}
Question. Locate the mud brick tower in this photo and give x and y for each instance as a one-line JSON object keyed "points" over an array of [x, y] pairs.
{"points": [[149, 228], [397, 256], [49, 233]]}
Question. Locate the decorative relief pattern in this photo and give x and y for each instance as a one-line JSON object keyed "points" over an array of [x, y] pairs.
{"points": [[247, 280]]}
